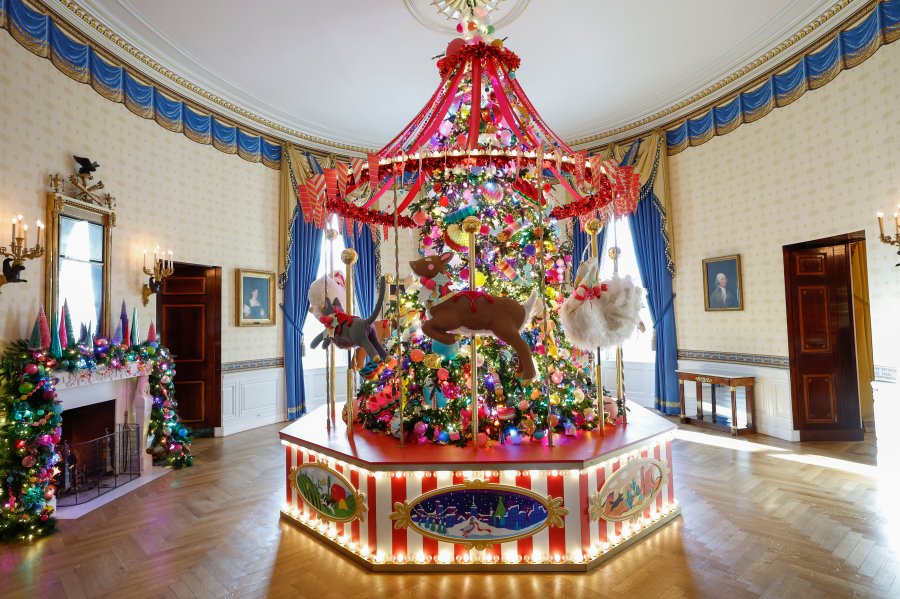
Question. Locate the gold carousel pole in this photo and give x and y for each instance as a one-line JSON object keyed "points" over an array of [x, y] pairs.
{"points": [[614, 253], [539, 162], [472, 225], [593, 227], [399, 384], [331, 235], [348, 257]]}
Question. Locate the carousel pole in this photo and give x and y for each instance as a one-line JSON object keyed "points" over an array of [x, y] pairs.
{"points": [[545, 324], [331, 376], [614, 253], [399, 383], [593, 227], [348, 257], [472, 225]]}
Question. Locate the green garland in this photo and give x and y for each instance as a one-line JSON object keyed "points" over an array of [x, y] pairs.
{"points": [[31, 417]]}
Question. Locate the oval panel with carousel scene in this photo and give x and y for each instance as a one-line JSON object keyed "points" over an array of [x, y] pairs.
{"points": [[629, 491], [479, 514], [328, 493]]}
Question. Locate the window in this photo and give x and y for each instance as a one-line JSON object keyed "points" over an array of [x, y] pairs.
{"points": [[638, 347], [315, 358]]}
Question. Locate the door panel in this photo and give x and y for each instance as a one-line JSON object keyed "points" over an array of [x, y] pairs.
{"points": [[821, 342], [189, 312]]}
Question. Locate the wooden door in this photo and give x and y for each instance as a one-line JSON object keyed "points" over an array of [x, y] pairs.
{"points": [[822, 343], [189, 313]]}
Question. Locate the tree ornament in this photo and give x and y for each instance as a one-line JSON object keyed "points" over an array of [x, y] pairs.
{"points": [[61, 329], [134, 336], [151, 333], [117, 336]]}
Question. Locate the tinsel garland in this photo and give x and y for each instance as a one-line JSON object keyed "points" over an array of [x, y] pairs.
{"points": [[30, 424], [365, 215], [466, 53]]}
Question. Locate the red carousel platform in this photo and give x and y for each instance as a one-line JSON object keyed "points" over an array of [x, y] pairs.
{"points": [[507, 507]]}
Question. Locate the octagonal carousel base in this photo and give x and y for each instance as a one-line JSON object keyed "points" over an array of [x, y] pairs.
{"points": [[525, 507]]}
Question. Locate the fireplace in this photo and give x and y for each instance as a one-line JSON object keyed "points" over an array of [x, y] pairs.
{"points": [[97, 454]]}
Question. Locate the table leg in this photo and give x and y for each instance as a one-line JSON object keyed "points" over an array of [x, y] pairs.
{"points": [[699, 400], [733, 412], [681, 399], [712, 388], [751, 424]]}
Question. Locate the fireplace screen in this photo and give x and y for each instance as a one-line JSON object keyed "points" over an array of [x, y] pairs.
{"points": [[95, 467]]}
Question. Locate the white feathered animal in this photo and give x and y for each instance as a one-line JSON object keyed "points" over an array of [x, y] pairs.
{"points": [[601, 313], [317, 295]]}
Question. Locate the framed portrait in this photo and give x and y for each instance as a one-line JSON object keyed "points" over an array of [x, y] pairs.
{"points": [[254, 298], [722, 285]]}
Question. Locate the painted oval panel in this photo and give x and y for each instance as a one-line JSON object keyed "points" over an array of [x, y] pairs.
{"points": [[326, 492], [631, 489], [480, 514]]}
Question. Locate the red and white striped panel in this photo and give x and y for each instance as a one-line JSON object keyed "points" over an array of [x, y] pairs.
{"points": [[581, 538]]}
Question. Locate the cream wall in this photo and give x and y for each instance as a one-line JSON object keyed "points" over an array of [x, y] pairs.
{"points": [[820, 167], [209, 207]]}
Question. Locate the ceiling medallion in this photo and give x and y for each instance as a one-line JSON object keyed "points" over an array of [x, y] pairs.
{"points": [[502, 12]]}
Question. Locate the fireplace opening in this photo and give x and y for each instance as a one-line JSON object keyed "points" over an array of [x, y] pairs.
{"points": [[97, 455]]}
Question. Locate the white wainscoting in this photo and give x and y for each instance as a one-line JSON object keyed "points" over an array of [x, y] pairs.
{"points": [[639, 381], [252, 398], [771, 394], [315, 384]]}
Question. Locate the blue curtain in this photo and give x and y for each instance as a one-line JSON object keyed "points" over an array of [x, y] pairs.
{"points": [[305, 255], [581, 243], [360, 239], [650, 251]]}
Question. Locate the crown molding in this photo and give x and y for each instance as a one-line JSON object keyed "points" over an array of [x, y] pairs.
{"points": [[90, 19], [242, 106], [743, 78]]}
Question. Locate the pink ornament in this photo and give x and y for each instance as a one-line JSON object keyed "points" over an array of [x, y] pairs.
{"points": [[443, 374], [31, 369], [467, 195], [556, 377], [445, 128], [420, 427], [482, 439], [454, 436], [523, 405]]}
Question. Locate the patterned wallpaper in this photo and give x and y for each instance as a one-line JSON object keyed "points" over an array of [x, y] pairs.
{"points": [[819, 167], [210, 207]]}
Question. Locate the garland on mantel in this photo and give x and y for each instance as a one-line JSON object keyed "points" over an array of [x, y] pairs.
{"points": [[30, 422]]}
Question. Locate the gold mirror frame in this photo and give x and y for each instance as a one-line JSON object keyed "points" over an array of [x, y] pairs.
{"points": [[88, 205]]}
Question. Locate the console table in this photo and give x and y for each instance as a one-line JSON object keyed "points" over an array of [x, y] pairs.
{"points": [[709, 419]]}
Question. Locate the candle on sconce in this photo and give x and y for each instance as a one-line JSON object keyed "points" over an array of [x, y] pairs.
{"points": [[24, 236], [19, 226], [145, 259], [13, 242], [40, 239], [171, 259], [880, 216], [897, 222]]}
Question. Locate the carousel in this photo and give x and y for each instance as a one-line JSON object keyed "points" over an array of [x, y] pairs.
{"points": [[479, 432]]}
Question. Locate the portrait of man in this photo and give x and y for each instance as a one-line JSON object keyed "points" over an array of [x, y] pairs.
{"points": [[722, 278]]}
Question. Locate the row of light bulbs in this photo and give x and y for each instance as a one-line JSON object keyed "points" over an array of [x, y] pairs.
{"points": [[473, 152], [329, 530], [482, 474]]}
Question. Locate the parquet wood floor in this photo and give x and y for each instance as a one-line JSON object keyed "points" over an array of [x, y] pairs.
{"points": [[761, 517]]}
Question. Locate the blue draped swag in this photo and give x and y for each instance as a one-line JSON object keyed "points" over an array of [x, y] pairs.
{"points": [[650, 251], [305, 255], [360, 239]]}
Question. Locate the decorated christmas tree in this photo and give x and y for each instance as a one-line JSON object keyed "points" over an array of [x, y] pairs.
{"points": [[479, 150]]}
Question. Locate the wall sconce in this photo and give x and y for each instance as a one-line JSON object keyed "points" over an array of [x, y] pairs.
{"points": [[888, 239], [163, 267], [18, 251]]}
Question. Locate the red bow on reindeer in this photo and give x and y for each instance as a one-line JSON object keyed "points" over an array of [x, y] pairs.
{"points": [[585, 293]]}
